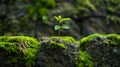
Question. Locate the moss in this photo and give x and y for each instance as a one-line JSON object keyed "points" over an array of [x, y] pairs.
{"points": [[115, 1], [113, 39], [109, 8], [86, 4], [9, 47], [85, 41], [58, 42], [112, 18], [84, 60], [65, 38], [90, 37], [17, 44], [54, 45]]}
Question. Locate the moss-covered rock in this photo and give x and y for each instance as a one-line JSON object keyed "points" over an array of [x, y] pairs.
{"points": [[57, 52], [103, 49], [97, 50], [18, 51]]}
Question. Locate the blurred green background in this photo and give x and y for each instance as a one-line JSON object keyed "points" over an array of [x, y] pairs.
{"points": [[35, 17]]}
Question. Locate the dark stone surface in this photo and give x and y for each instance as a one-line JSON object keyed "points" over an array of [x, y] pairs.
{"points": [[103, 54], [57, 57]]}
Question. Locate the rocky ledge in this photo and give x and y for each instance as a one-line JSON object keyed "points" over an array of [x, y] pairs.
{"points": [[95, 50]]}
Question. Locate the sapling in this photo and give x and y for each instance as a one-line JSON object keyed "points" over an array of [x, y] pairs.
{"points": [[60, 24]]}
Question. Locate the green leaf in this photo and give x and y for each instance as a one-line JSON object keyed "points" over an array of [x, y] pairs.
{"points": [[58, 18], [64, 19], [64, 26], [57, 27]]}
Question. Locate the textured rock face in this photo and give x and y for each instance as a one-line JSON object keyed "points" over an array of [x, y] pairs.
{"points": [[54, 55], [98, 25], [104, 55], [11, 59], [104, 50]]}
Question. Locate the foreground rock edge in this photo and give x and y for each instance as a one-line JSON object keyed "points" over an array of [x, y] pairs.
{"points": [[30, 53]]}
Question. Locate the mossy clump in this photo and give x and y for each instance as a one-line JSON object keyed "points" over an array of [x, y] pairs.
{"points": [[65, 38], [54, 45], [22, 48], [103, 49], [85, 41], [84, 60], [113, 39], [55, 42]]}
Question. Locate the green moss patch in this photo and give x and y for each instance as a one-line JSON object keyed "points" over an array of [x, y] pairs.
{"points": [[65, 38], [84, 60], [54, 45], [112, 39], [19, 49], [85, 41]]}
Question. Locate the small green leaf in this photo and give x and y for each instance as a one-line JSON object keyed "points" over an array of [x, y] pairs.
{"points": [[57, 27], [56, 18], [64, 26], [60, 17], [64, 19]]}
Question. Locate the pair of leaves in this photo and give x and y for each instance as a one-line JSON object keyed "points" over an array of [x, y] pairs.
{"points": [[60, 19], [64, 26]]}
